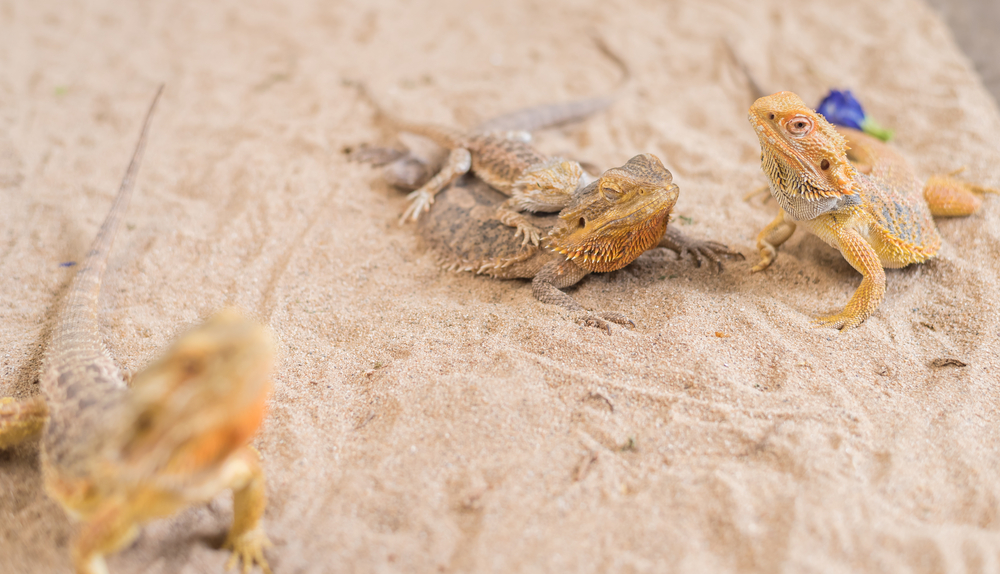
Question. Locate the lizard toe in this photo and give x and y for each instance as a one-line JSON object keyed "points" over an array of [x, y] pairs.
{"points": [[618, 318], [420, 201], [723, 249], [763, 264], [595, 321], [248, 548], [530, 234], [711, 256]]}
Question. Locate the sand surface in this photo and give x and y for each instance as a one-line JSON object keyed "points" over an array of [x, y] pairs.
{"points": [[432, 422]]}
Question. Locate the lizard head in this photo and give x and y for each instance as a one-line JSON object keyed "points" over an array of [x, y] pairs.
{"points": [[201, 401], [617, 217], [803, 155]]}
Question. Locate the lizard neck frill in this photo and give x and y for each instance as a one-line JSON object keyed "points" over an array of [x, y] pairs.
{"points": [[616, 247], [796, 194]]}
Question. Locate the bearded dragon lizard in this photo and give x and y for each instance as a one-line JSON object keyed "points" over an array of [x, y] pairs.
{"points": [[114, 457], [506, 161], [605, 226], [410, 170], [852, 191]]}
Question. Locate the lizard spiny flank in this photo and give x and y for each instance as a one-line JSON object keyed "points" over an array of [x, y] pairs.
{"points": [[852, 191], [116, 457]]}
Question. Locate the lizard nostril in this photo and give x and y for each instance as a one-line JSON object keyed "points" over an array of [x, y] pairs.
{"points": [[825, 164], [770, 116]]}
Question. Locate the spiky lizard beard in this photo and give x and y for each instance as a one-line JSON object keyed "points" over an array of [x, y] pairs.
{"points": [[797, 196], [601, 246]]}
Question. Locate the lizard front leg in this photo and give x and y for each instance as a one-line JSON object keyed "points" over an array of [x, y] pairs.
{"points": [[246, 538], [676, 241], [21, 420], [770, 238], [545, 188], [863, 257], [560, 274], [459, 162]]}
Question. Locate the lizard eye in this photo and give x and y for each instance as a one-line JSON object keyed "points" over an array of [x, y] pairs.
{"points": [[825, 164], [611, 193], [799, 126]]}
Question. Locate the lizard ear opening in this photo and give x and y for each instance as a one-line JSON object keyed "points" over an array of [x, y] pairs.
{"points": [[582, 222]]}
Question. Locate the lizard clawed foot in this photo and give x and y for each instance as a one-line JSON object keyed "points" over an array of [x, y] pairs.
{"points": [[710, 250], [767, 255], [530, 233], [600, 320], [248, 548], [420, 201]]}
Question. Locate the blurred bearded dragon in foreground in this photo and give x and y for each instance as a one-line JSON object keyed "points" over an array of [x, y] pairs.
{"points": [[116, 457], [852, 191]]}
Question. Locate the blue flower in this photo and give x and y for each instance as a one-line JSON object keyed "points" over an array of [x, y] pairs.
{"points": [[842, 109]]}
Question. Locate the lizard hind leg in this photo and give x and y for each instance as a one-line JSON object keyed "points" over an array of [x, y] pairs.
{"points": [[21, 420], [556, 275], [546, 187], [949, 197]]}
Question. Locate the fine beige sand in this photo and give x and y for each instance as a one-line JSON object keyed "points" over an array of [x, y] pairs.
{"points": [[424, 421]]}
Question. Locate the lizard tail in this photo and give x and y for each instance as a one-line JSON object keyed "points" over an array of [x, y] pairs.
{"points": [[81, 304], [544, 116]]}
